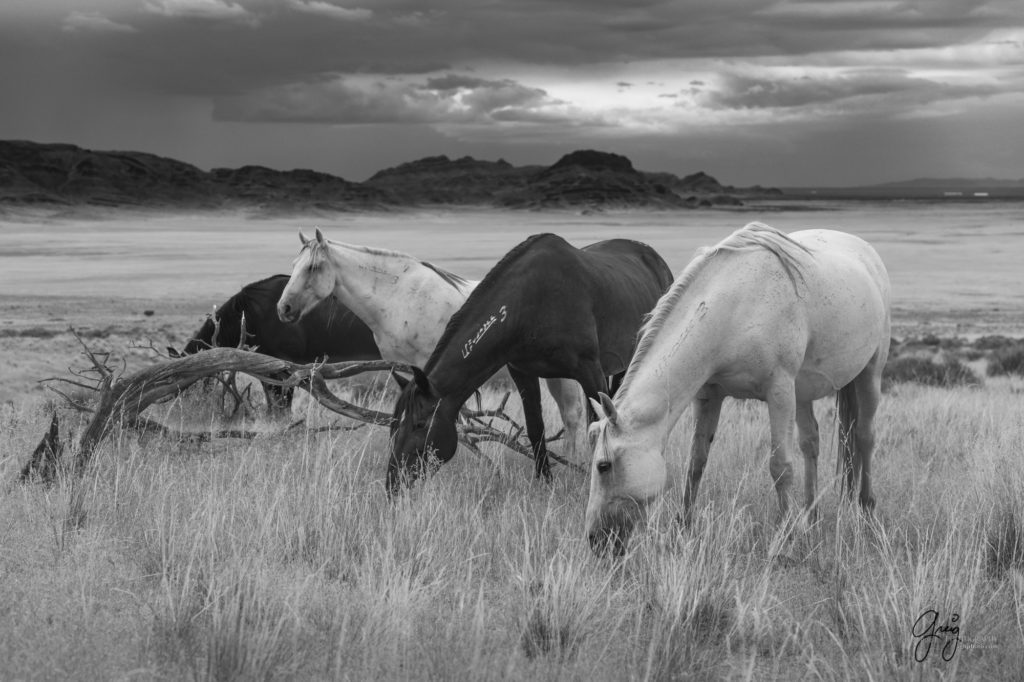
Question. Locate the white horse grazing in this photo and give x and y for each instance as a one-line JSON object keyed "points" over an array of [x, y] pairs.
{"points": [[404, 301], [783, 319]]}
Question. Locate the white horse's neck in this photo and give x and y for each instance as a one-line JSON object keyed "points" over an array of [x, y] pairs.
{"points": [[675, 366], [404, 302]]}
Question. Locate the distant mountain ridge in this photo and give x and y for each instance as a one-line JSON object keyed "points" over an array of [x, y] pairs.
{"points": [[952, 183], [34, 173]]}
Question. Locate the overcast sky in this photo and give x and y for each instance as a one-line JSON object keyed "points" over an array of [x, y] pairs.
{"points": [[775, 92]]}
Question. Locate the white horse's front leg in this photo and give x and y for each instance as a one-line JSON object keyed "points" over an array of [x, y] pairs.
{"points": [[707, 407], [569, 397], [781, 401]]}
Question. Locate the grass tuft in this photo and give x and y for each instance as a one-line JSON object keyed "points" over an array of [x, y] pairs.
{"points": [[1007, 360], [949, 373]]}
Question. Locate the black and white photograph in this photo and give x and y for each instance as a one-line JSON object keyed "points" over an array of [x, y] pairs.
{"points": [[511, 340]]}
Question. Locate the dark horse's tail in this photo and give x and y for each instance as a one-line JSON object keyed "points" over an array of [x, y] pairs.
{"points": [[847, 459]]}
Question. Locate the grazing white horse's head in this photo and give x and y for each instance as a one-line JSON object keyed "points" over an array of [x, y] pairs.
{"points": [[312, 279], [628, 471]]}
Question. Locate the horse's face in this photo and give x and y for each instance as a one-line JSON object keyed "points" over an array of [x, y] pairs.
{"points": [[311, 281], [626, 474], [423, 434], [201, 340], [225, 324]]}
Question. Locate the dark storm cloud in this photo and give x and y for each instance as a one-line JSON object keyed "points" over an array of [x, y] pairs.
{"points": [[210, 46], [451, 98], [223, 46], [897, 87], [708, 76]]}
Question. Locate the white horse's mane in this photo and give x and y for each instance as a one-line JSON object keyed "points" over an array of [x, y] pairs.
{"points": [[754, 235], [316, 257]]}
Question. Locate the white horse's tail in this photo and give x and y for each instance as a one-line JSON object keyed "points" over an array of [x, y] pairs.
{"points": [[847, 460]]}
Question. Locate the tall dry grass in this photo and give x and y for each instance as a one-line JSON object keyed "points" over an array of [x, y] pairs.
{"points": [[280, 558]]}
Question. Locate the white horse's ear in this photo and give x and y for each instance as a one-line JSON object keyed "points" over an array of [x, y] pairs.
{"points": [[598, 410], [303, 238], [320, 237], [609, 407]]}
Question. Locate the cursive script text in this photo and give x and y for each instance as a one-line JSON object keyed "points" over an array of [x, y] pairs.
{"points": [[471, 343], [927, 630]]}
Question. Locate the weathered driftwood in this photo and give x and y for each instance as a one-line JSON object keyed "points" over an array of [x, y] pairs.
{"points": [[122, 399]]}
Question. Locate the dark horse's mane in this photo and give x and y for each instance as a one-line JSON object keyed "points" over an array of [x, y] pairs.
{"points": [[486, 284], [250, 291]]}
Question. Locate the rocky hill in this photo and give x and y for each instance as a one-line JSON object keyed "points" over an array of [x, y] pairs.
{"points": [[439, 180], [32, 173], [63, 174], [591, 178]]}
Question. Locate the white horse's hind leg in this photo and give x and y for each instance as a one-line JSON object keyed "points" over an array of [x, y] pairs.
{"points": [[706, 410], [807, 426], [569, 397], [781, 401], [868, 385]]}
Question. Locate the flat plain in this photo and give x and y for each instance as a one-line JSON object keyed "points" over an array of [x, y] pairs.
{"points": [[279, 557]]}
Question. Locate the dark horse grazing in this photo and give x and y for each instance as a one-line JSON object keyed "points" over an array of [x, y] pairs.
{"points": [[330, 330], [547, 309]]}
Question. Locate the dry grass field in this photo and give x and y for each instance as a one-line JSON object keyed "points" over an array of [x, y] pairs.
{"points": [[279, 557]]}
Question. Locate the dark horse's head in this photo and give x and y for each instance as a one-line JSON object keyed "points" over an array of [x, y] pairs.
{"points": [[226, 324], [423, 431]]}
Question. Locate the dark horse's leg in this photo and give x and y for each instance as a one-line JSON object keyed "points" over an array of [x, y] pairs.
{"points": [[529, 393]]}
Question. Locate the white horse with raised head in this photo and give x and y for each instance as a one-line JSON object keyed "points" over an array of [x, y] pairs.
{"points": [[783, 319], [406, 302]]}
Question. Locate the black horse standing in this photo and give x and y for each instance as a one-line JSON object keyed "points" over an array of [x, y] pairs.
{"points": [[547, 309], [330, 331]]}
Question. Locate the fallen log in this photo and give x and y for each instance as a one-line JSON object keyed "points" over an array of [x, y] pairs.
{"points": [[122, 399]]}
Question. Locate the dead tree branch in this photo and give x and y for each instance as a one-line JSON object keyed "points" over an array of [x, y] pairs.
{"points": [[123, 398]]}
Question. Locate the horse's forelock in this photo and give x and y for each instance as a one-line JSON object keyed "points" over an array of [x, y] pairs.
{"points": [[313, 252]]}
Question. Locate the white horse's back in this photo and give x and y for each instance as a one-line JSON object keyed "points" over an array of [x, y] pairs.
{"points": [[846, 296], [819, 312]]}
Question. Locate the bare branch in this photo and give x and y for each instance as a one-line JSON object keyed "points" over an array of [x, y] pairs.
{"points": [[216, 328], [150, 346], [479, 434], [71, 401], [101, 367], [317, 388], [93, 387]]}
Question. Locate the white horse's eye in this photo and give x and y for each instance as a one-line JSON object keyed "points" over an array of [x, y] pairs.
{"points": [[604, 466]]}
